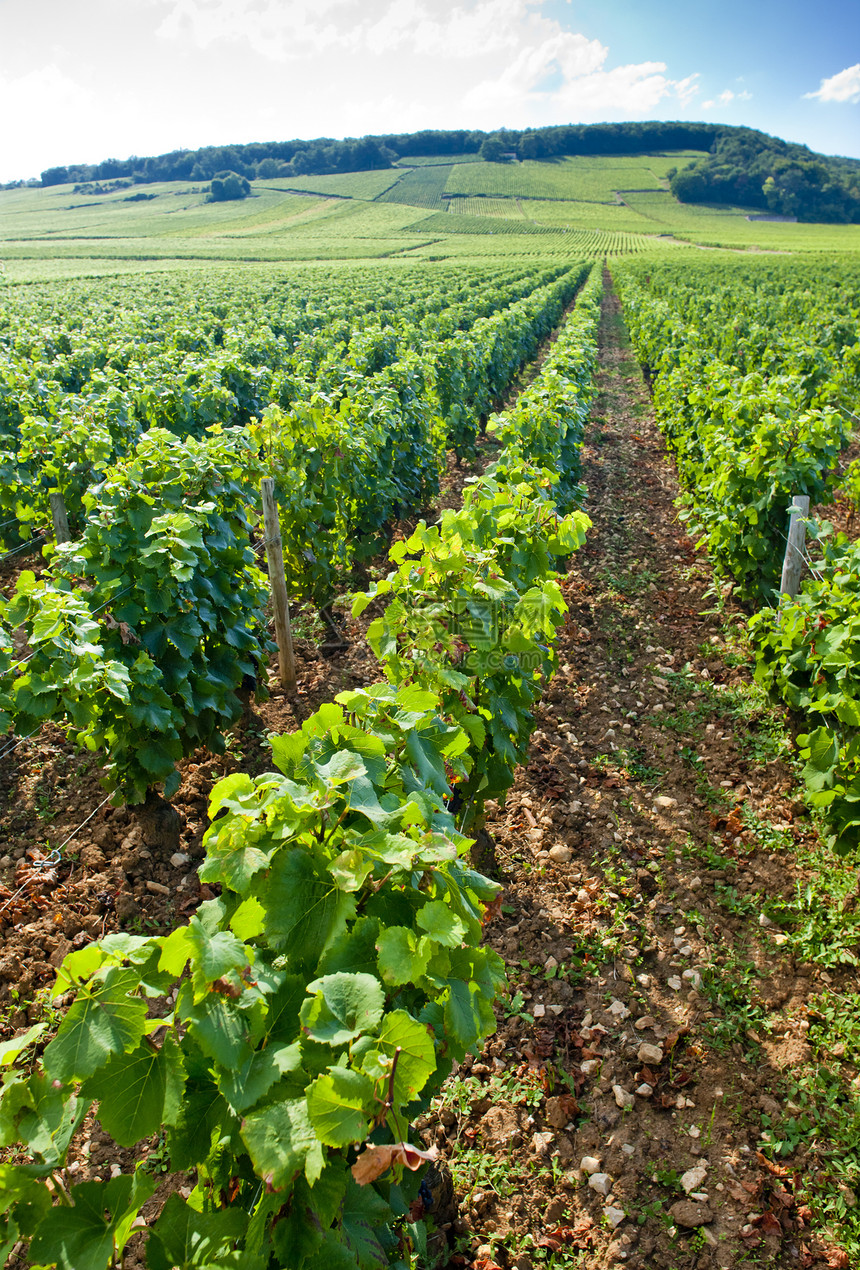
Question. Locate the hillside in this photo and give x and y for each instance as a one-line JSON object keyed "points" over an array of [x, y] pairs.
{"points": [[732, 165], [425, 207]]}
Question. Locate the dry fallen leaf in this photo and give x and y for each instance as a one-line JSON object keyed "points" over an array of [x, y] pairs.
{"points": [[374, 1161]]}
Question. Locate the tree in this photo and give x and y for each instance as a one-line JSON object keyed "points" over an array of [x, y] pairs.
{"points": [[228, 185], [492, 149]]}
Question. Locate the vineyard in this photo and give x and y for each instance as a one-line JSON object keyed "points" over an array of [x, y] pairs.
{"points": [[506, 916]]}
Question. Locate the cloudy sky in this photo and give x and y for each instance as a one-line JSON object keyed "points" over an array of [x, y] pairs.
{"points": [[84, 80]]}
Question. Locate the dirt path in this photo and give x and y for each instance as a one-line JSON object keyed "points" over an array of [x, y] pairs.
{"points": [[655, 1011]]}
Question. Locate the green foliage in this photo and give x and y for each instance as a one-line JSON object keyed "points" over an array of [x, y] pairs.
{"points": [[808, 657], [229, 185], [157, 675], [745, 443], [318, 1003], [289, 1044]]}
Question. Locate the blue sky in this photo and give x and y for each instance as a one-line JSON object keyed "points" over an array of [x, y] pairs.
{"points": [[82, 80]]}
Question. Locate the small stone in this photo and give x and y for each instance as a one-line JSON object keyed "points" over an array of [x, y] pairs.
{"points": [[619, 1010], [600, 1182], [645, 1090], [650, 1054], [622, 1098], [179, 858], [764, 921], [590, 1164], [693, 1179], [694, 1132], [560, 854], [615, 1216], [674, 983], [628, 1149], [644, 981], [539, 1011], [541, 1142], [645, 1021], [664, 803], [157, 888], [589, 1066], [693, 977], [690, 1215], [685, 950]]}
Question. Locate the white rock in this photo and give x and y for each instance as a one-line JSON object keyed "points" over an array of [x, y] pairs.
{"points": [[179, 858], [590, 1164], [539, 1011], [541, 1142], [650, 1053], [560, 854], [615, 1216], [685, 950], [693, 977], [701, 1197], [628, 1149], [622, 1098], [764, 921], [618, 1009], [665, 803], [674, 983], [589, 1066], [644, 981], [645, 1090], [694, 1132], [600, 1182], [693, 1178], [550, 963]]}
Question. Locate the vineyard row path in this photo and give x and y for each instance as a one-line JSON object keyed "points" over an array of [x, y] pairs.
{"points": [[633, 890]]}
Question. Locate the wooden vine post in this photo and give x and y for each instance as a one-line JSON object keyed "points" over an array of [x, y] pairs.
{"points": [[792, 565], [278, 583], [59, 517]]}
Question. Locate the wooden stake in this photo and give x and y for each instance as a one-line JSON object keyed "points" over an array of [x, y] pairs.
{"points": [[59, 516], [793, 564], [278, 583]]}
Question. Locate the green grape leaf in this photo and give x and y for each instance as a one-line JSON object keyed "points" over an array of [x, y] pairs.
{"points": [[343, 1006], [138, 1092], [441, 924], [183, 1238], [340, 1105], [282, 1143], [402, 957], [103, 1020]]}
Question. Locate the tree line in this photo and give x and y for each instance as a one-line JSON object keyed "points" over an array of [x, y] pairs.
{"points": [[743, 166], [750, 169]]}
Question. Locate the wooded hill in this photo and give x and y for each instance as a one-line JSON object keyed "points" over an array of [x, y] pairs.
{"points": [[742, 166]]}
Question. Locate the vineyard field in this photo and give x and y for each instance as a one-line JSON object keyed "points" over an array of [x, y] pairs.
{"points": [[506, 916]]}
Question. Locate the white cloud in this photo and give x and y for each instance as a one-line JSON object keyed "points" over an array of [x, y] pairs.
{"points": [[725, 97], [588, 89], [845, 86]]}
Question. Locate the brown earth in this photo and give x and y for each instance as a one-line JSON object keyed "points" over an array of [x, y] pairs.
{"points": [[636, 849]]}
